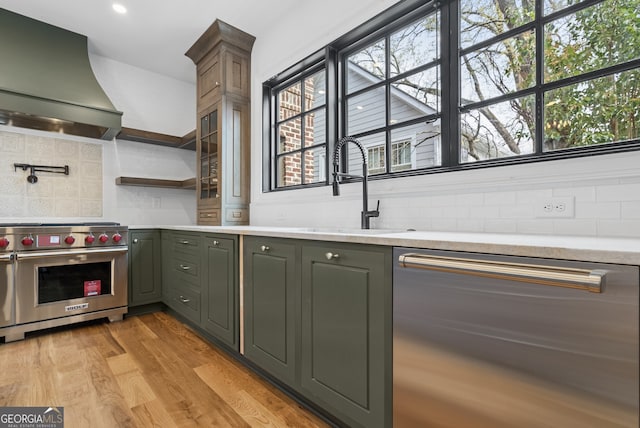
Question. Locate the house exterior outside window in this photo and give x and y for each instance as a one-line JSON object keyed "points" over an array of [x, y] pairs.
{"points": [[401, 157]]}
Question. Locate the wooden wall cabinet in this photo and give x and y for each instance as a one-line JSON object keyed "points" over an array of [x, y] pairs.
{"points": [[223, 62]]}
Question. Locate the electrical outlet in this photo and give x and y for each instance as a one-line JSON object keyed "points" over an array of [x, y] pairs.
{"points": [[555, 207]]}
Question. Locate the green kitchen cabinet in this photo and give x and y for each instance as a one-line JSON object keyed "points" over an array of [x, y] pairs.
{"points": [[346, 331], [145, 273], [220, 288], [317, 317], [271, 302], [181, 273]]}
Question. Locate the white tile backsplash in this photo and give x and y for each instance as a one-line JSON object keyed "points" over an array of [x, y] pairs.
{"points": [[605, 190], [630, 210], [619, 228], [577, 227], [53, 195], [618, 192], [603, 210]]}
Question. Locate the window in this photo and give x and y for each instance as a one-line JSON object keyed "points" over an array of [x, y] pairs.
{"points": [[510, 82], [301, 131], [376, 160], [401, 158]]}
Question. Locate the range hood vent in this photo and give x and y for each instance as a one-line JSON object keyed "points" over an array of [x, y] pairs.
{"points": [[46, 81]]}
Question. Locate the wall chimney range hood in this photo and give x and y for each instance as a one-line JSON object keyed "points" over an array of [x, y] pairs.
{"points": [[46, 81]]}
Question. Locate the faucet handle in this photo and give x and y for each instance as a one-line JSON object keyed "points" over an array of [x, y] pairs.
{"points": [[378, 206]]}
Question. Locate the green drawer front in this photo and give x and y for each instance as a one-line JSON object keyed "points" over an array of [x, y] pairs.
{"points": [[186, 270], [186, 243], [185, 301]]}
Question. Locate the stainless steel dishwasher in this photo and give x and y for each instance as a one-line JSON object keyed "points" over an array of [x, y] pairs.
{"points": [[496, 341]]}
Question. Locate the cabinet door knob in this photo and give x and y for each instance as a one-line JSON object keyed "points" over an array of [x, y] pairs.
{"points": [[135, 240], [265, 248], [184, 267], [184, 300], [330, 256], [216, 243]]}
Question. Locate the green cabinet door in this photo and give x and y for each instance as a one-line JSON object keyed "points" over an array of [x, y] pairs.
{"points": [[271, 296], [145, 274], [220, 289], [346, 331]]}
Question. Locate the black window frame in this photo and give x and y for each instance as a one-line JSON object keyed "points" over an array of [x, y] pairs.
{"points": [[333, 56]]}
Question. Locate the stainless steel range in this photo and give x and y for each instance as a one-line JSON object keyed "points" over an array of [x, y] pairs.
{"points": [[57, 274]]}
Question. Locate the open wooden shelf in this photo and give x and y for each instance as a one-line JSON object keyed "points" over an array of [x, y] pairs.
{"points": [[187, 141], [189, 183]]}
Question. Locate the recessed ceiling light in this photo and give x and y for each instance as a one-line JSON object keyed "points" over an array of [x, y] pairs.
{"points": [[119, 8]]}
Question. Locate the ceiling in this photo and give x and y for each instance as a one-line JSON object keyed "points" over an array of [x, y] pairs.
{"points": [[153, 34]]}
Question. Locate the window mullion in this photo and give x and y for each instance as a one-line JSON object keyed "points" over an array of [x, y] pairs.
{"points": [[387, 115], [450, 130], [539, 111]]}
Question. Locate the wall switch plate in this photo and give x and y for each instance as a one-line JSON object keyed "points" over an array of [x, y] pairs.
{"points": [[555, 207]]}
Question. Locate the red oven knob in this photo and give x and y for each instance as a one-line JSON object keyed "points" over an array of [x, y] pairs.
{"points": [[103, 238], [4, 242], [89, 239], [69, 240], [117, 237], [27, 241]]}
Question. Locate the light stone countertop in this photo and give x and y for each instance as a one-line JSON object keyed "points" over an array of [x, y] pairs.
{"points": [[593, 249]]}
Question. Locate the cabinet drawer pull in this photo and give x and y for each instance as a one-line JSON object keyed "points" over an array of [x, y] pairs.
{"points": [[265, 248], [185, 267], [184, 242], [184, 299], [135, 240], [330, 256]]}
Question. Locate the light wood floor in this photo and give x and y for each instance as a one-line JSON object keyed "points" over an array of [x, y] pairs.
{"points": [[146, 371]]}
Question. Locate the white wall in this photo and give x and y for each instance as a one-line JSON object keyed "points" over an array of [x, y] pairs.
{"points": [[149, 101], [605, 189]]}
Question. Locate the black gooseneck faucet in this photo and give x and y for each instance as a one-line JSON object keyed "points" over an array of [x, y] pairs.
{"points": [[366, 215]]}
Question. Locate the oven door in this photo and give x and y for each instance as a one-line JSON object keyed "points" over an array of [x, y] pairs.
{"points": [[55, 284], [6, 290]]}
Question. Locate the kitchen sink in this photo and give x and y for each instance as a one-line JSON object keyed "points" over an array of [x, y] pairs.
{"points": [[347, 231]]}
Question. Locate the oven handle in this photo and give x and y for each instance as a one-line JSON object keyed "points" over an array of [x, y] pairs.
{"points": [[82, 251], [582, 279], [6, 257]]}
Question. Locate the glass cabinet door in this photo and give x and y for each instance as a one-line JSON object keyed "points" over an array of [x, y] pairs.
{"points": [[209, 135]]}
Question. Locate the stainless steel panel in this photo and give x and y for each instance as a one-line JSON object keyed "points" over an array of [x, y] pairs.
{"points": [[7, 316], [26, 274], [486, 351]]}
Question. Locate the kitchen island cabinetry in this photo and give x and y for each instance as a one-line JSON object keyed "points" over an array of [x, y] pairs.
{"points": [[220, 288], [318, 318], [145, 274], [271, 305]]}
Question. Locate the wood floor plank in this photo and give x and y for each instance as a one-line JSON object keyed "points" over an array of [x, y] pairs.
{"points": [[248, 408], [134, 387], [200, 401], [153, 414], [146, 371]]}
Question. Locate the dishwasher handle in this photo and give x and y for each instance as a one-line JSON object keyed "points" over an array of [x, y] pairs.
{"points": [[582, 279]]}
